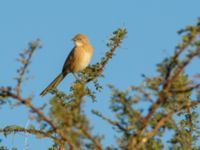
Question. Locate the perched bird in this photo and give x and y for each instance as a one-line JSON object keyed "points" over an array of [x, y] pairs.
{"points": [[78, 59]]}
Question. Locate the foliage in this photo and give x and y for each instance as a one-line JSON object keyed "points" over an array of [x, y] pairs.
{"points": [[144, 114]]}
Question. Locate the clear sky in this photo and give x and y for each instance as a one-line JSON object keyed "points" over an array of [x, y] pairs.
{"points": [[151, 25]]}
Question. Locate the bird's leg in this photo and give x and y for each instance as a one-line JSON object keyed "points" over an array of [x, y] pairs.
{"points": [[77, 78]]}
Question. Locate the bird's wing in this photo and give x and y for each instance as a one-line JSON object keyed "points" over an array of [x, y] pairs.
{"points": [[68, 62]]}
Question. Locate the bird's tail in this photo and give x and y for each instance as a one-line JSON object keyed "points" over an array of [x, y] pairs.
{"points": [[53, 84]]}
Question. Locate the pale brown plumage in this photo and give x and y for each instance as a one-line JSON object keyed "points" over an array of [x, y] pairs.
{"points": [[78, 59]]}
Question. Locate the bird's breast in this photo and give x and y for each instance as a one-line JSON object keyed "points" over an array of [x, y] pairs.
{"points": [[84, 60], [81, 59]]}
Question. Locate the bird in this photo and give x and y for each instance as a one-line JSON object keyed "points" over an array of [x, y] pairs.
{"points": [[78, 59]]}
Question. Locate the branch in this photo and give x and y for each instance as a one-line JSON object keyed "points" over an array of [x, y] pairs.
{"points": [[26, 62], [190, 125], [114, 123], [113, 43], [26, 102], [31, 131], [96, 142], [26, 57], [187, 41], [165, 118], [168, 83], [40, 114], [166, 87], [186, 90], [155, 130]]}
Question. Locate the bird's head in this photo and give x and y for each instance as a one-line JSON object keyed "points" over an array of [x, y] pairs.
{"points": [[80, 40]]}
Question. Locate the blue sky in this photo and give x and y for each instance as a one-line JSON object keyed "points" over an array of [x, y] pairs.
{"points": [[151, 25]]}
